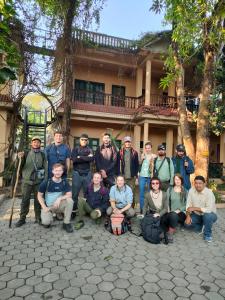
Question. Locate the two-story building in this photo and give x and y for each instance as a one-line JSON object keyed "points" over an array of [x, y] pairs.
{"points": [[116, 88]]}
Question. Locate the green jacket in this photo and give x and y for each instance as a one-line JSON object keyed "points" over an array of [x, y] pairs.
{"points": [[28, 170]]}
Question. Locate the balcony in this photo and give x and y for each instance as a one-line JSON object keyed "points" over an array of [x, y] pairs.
{"points": [[93, 39], [108, 103]]}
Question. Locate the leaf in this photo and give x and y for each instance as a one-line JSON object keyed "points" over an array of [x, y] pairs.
{"points": [[108, 257]]}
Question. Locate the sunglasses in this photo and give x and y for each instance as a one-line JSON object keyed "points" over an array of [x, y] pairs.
{"points": [[84, 140], [155, 183]]}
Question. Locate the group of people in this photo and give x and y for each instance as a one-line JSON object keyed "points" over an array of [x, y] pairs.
{"points": [[164, 185]]}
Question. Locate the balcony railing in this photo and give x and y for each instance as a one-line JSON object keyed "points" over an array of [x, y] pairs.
{"points": [[104, 40], [103, 99]]}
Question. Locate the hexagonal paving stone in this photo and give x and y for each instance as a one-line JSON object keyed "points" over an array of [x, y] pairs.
{"points": [[71, 292], [6, 293], [166, 294], [166, 284], [148, 296], [43, 287], [136, 291], [106, 286], [121, 283], [15, 283], [119, 294], [102, 296], [151, 287], [182, 292], [24, 291]]}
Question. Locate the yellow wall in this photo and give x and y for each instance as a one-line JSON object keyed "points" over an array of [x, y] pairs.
{"points": [[110, 78], [3, 140]]}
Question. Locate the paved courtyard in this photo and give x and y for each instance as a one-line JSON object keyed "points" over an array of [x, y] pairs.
{"points": [[39, 263]]}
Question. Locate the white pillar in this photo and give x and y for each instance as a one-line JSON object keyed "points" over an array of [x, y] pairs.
{"points": [[137, 137], [146, 125], [169, 142]]}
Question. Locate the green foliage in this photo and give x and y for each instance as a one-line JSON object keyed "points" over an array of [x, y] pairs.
{"points": [[196, 25], [9, 55], [217, 115], [214, 187]]}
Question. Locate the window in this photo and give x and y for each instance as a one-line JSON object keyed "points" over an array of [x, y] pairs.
{"points": [[118, 95], [89, 92]]}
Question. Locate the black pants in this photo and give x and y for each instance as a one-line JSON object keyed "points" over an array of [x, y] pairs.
{"points": [[172, 219]]}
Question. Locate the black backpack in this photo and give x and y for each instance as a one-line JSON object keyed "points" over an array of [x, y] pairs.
{"points": [[151, 229]]}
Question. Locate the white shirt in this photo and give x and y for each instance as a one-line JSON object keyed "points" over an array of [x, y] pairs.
{"points": [[204, 199]]}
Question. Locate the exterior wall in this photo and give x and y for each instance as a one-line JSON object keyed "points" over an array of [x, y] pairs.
{"points": [[110, 78], [3, 141]]}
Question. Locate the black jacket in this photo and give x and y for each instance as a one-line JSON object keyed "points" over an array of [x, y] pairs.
{"points": [[82, 164]]}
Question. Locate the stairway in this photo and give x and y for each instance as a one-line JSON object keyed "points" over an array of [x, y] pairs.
{"points": [[35, 125]]}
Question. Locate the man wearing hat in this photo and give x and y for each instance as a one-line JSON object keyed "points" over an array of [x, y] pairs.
{"points": [[128, 163], [82, 156], [34, 169], [183, 165], [163, 168]]}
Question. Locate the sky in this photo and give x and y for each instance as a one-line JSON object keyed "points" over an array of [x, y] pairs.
{"points": [[129, 18]]}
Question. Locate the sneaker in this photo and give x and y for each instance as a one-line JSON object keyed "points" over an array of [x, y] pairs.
{"points": [[20, 223], [79, 225], [46, 226], [98, 221], [208, 239], [68, 227]]}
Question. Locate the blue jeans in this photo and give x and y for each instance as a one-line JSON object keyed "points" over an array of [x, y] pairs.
{"points": [[206, 220], [79, 181], [143, 181]]}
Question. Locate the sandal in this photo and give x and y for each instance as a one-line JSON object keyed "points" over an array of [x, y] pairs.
{"points": [[79, 225]]}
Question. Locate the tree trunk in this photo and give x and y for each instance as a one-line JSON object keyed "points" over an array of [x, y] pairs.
{"points": [[68, 68], [183, 121], [202, 134]]}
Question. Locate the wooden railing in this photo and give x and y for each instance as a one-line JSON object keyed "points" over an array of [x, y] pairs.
{"points": [[104, 40], [157, 101], [107, 99]]}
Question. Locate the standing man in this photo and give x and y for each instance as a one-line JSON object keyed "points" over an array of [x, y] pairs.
{"points": [[58, 153], [106, 159], [163, 168], [146, 168], [82, 156], [183, 165], [201, 209], [34, 166], [55, 196], [128, 163]]}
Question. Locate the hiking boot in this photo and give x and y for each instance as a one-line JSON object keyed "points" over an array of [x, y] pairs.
{"points": [[20, 223], [68, 227]]}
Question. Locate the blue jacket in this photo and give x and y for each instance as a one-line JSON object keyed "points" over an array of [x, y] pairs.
{"points": [[184, 171]]}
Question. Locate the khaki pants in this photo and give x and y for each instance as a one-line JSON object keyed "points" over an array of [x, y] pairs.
{"points": [[65, 207], [129, 213], [84, 208]]}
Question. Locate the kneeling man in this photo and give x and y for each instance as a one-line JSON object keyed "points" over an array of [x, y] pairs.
{"points": [[121, 199], [55, 196], [201, 208], [95, 203]]}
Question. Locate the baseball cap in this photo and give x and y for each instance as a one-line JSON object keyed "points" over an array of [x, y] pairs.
{"points": [[161, 147], [34, 138], [127, 139], [84, 136], [180, 148]]}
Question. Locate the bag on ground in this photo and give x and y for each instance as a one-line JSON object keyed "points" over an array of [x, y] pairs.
{"points": [[117, 224], [151, 229]]}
